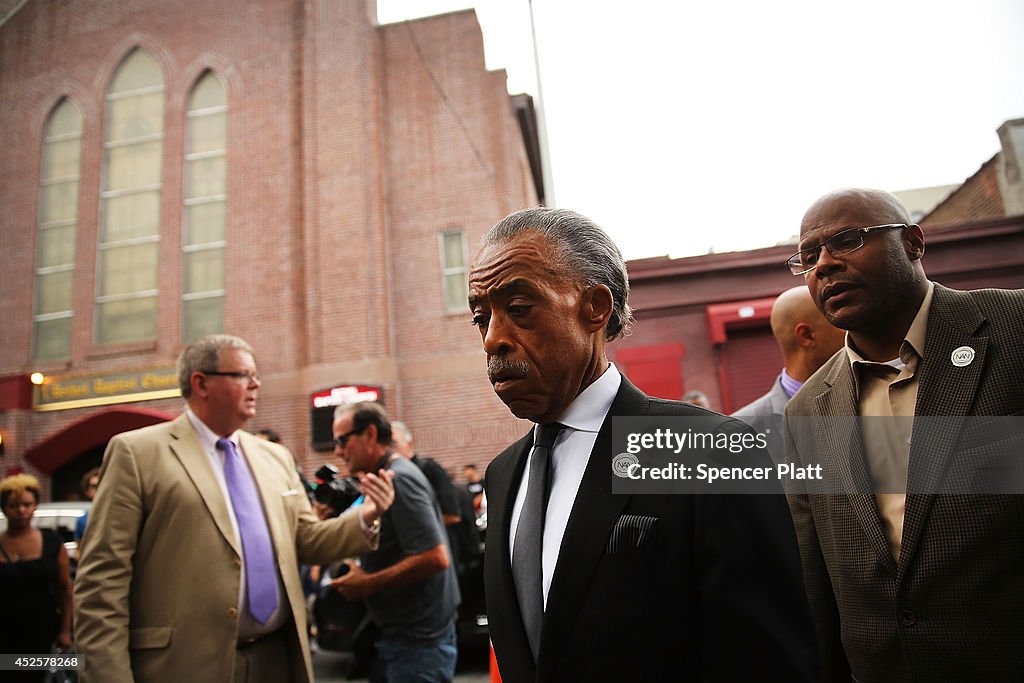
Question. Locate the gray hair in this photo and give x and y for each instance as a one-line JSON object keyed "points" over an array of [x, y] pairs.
{"points": [[203, 355], [397, 426], [586, 252]]}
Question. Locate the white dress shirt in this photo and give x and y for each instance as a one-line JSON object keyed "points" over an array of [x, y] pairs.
{"points": [[569, 457], [247, 626]]}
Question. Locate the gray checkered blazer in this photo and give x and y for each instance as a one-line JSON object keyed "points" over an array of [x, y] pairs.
{"points": [[952, 608]]}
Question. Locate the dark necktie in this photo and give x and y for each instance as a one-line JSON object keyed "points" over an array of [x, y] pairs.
{"points": [[257, 550], [527, 570]]}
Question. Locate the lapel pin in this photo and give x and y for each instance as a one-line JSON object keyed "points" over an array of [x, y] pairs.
{"points": [[962, 357]]}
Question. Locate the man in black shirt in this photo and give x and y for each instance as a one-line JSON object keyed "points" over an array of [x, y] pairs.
{"points": [[460, 523]]}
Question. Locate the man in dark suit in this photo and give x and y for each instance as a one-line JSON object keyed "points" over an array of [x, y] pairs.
{"points": [[906, 584], [615, 587], [806, 341]]}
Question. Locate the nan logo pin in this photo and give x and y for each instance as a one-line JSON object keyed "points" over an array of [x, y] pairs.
{"points": [[962, 357]]}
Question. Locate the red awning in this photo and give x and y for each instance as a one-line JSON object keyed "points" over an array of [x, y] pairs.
{"points": [[87, 433]]}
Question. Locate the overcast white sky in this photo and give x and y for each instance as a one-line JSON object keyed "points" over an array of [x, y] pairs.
{"points": [[684, 126]]}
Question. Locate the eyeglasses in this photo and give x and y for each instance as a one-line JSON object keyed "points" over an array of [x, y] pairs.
{"points": [[841, 243], [343, 439], [246, 375]]}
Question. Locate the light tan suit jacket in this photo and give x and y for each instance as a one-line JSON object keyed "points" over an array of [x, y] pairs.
{"points": [[156, 596]]}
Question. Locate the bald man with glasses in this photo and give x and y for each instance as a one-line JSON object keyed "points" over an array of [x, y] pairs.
{"points": [[907, 582], [189, 570]]}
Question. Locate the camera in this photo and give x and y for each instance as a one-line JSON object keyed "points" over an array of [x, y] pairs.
{"points": [[336, 493]]}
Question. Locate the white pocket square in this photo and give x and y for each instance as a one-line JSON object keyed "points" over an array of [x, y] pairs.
{"points": [[290, 492]]}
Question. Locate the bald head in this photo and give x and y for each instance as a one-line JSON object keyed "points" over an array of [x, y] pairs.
{"points": [[875, 289], [874, 205], [791, 307], [805, 338]]}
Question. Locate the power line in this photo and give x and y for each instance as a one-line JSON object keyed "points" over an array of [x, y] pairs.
{"points": [[448, 102]]}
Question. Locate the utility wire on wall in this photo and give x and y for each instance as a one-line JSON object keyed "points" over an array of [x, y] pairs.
{"points": [[451, 106]]}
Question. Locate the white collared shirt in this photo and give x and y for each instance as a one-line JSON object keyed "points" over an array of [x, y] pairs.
{"points": [[247, 626], [569, 457]]}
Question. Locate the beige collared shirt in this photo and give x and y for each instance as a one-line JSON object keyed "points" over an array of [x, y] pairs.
{"points": [[888, 391]]}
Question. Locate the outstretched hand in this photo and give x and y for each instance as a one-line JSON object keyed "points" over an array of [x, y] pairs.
{"points": [[380, 494]]}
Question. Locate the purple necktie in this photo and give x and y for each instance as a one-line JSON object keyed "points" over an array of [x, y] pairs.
{"points": [[260, 574]]}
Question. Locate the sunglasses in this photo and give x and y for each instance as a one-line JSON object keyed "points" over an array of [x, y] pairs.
{"points": [[343, 439]]}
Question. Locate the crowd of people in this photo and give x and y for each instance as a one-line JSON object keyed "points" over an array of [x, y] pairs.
{"points": [[886, 580], [189, 566]]}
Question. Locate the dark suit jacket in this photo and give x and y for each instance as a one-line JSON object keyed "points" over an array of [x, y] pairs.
{"points": [[765, 415], [709, 591], [771, 404], [952, 608]]}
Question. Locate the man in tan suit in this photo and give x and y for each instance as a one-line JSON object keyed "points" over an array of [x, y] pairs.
{"points": [[189, 568]]}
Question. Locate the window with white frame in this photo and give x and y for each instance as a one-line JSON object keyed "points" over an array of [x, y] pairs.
{"points": [[453, 270], [204, 211], [58, 221], [129, 231]]}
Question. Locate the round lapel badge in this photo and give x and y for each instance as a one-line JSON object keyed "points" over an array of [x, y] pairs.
{"points": [[622, 465], [962, 357]]}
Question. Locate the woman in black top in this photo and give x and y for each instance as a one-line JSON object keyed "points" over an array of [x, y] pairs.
{"points": [[35, 578]]}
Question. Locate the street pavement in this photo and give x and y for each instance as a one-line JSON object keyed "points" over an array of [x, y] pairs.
{"points": [[331, 667]]}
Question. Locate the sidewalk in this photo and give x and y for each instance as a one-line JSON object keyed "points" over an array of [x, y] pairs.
{"points": [[330, 667]]}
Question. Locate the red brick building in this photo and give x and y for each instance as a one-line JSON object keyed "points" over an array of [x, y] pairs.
{"points": [[290, 172], [283, 170], [703, 322]]}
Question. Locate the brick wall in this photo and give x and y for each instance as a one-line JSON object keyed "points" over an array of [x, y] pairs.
{"points": [[350, 147], [976, 199]]}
